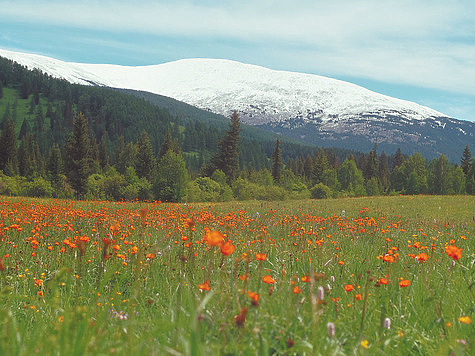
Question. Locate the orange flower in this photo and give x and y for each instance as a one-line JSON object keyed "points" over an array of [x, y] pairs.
{"points": [[465, 319], [150, 256], [305, 279], [213, 238], [297, 290], [268, 279], [348, 287], [243, 277], [41, 293], [422, 257], [227, 248], [261, 256], [358, 296], [453, 252], [38, 282], [383, 281], [204, 286], [404, 283], [254, 296]]}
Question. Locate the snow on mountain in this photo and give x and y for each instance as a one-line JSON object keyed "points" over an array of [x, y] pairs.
{"points": [[262, 96]]}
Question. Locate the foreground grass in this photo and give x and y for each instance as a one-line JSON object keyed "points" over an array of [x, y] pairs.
{"points": [[135, 278]]}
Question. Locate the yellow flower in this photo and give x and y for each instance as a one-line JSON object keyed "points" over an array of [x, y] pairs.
{"points": [[400, 333], [465, 319], [365, 344]]}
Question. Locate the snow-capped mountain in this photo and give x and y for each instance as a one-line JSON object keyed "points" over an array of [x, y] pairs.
{"points": [[313, 108]]}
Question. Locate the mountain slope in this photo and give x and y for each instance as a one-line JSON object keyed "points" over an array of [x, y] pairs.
{"points": [[313, 108]]}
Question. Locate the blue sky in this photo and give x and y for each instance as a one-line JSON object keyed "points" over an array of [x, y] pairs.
{"points": [[423, 51]]}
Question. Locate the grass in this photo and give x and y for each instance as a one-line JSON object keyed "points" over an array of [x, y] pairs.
{"points": [[132, 278]]}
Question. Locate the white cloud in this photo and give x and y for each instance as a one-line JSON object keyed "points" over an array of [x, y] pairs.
{"points": [[423, 43]]}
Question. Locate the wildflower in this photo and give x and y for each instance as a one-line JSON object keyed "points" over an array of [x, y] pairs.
{"points": [[387, 323], [213, 238], [331, 329], [305, 279], [358, 296], [404, 283], [348, 287], [204, 286], [261, 256], [240, 318], [383, 281], [422, 257], [364, 343], [453, 252], [465, 319], [254, 296], [150, 256], [268, 279], [227, 248], [41, 293], [297, 290]]}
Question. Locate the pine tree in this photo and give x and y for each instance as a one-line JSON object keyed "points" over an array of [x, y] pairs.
{"points": [[78, 163], [227, 157], [55, 167], [145, 157], [398, 159], [320, 164], [8, 150], [24, 130], [384, 174], [466, 160], [1, 89], [277, 164], [371, 168], [103, 155], [169, 144]]}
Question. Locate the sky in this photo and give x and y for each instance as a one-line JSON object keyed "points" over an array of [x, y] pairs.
{"points": [[422, 51]]}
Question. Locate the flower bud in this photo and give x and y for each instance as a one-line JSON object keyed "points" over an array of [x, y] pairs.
{"points": [[331, 329], [320, 293], [387, 323]]}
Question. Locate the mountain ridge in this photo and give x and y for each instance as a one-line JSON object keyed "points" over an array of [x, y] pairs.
{"points": [[316, 109]]}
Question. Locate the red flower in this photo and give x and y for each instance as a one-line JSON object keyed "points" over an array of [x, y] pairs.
{"points": [[204, 286], [227, 248], [261, 256], [453, 252], [348, 287], [383, 281], [268, 279], [404, 283]]}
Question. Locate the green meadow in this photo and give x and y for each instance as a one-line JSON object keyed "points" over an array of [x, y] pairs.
{"points": [[364, 276]]}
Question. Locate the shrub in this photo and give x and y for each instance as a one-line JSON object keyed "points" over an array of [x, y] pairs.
{"points": [[321, 191], [39, 188]]}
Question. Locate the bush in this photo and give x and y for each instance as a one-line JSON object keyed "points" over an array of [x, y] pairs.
{"points": [[321, 191], [207, 189], [39, 188]]}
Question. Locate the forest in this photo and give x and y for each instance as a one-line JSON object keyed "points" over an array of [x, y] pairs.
{"points": [[70, 141]]}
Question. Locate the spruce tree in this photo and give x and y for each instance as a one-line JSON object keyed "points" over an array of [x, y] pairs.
{"points": [[169, 144], [103, 155], [227, 157], [466, 160], [145, 157], [8, 150], [55, 167], [78, 163], [277, 164], [398, 159], [1, 89]]}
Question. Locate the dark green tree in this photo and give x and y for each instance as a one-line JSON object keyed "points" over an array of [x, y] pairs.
{"points": [[103, 155], [1, 89], [145, 163], [384, 173], [169, 144], [320, 164], [371, 168], [439, 176], [398, 159], [78, 163], [55, 167], [466, 160], [8, 150], [277, 164], [227, 157]]}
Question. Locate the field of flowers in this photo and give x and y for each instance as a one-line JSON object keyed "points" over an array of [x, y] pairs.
{"points": [[347, 276]]}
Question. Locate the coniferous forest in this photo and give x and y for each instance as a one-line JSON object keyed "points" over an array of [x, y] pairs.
{"points": [[71, 141]]}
